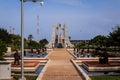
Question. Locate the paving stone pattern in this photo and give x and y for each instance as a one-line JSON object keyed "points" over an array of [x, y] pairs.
{"points": [[60, 67]]}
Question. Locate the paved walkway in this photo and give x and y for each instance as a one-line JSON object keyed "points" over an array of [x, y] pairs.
{"points": [[60, 67]]}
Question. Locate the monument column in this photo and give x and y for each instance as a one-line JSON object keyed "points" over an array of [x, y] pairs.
{"points": [[59, 37]]}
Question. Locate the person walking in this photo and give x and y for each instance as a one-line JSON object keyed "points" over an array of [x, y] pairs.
{"points": [[16, 58]]}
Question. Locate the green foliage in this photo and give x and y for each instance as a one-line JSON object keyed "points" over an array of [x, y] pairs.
{"points": [[111, 42], [99, 41], [10, 40], [81, 45], [84, 45], [27, 77], [15, 41], [114, 37], [2, 49], [43, 42], [111, 77], [4, 36], [4, 40], [33, 44]]}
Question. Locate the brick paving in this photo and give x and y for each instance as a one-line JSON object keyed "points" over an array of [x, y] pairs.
{"points": [[27, 64], [97, 64], [60, 67]]}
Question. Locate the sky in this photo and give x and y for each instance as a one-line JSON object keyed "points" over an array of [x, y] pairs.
{"points": [[85, 19]]}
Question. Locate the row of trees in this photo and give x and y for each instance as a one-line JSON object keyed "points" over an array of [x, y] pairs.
{"points": [[14, 41], [111, 41], [107, 46], [33, 44], [103, 46]]}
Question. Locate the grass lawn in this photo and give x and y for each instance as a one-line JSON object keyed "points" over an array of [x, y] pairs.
{"points": [[111, 77], [27, 77]]}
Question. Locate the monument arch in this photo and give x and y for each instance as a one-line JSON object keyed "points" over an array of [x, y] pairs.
{"points": [[60, 38]]}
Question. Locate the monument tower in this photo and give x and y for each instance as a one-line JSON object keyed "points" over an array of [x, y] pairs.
{"points": [[60, 38]]}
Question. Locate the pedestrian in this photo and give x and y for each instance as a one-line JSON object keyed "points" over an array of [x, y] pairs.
{"points": [[16, 58], [24, 53], [38, 50]]}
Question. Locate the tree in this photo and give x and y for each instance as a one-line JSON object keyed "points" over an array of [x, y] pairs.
{"points": [[114, 36], [34, 44], [4, 36], [15, 41], [30, 37], [4, 40], [43, 42], [99, 41], [2, 49]]}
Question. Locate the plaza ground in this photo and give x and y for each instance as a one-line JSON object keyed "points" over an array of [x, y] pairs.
{"points": [[60, 67]]}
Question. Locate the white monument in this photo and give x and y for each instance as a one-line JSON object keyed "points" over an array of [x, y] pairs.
{"points": [[60, 38]]}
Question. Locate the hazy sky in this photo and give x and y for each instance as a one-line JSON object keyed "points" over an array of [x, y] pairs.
{"points": [[84, 18]]}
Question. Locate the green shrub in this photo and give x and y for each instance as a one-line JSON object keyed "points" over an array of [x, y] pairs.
{"points": [[17, 77], [3, 49], [108, 77]]}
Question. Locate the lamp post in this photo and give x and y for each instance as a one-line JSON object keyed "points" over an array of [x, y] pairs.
{"points": [[22, 34]]}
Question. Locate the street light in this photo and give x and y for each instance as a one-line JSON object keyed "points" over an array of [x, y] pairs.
{"points": [[22, 34], [41, 1]]}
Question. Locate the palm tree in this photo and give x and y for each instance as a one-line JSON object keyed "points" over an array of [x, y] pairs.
{"points": [[30, 37]]}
